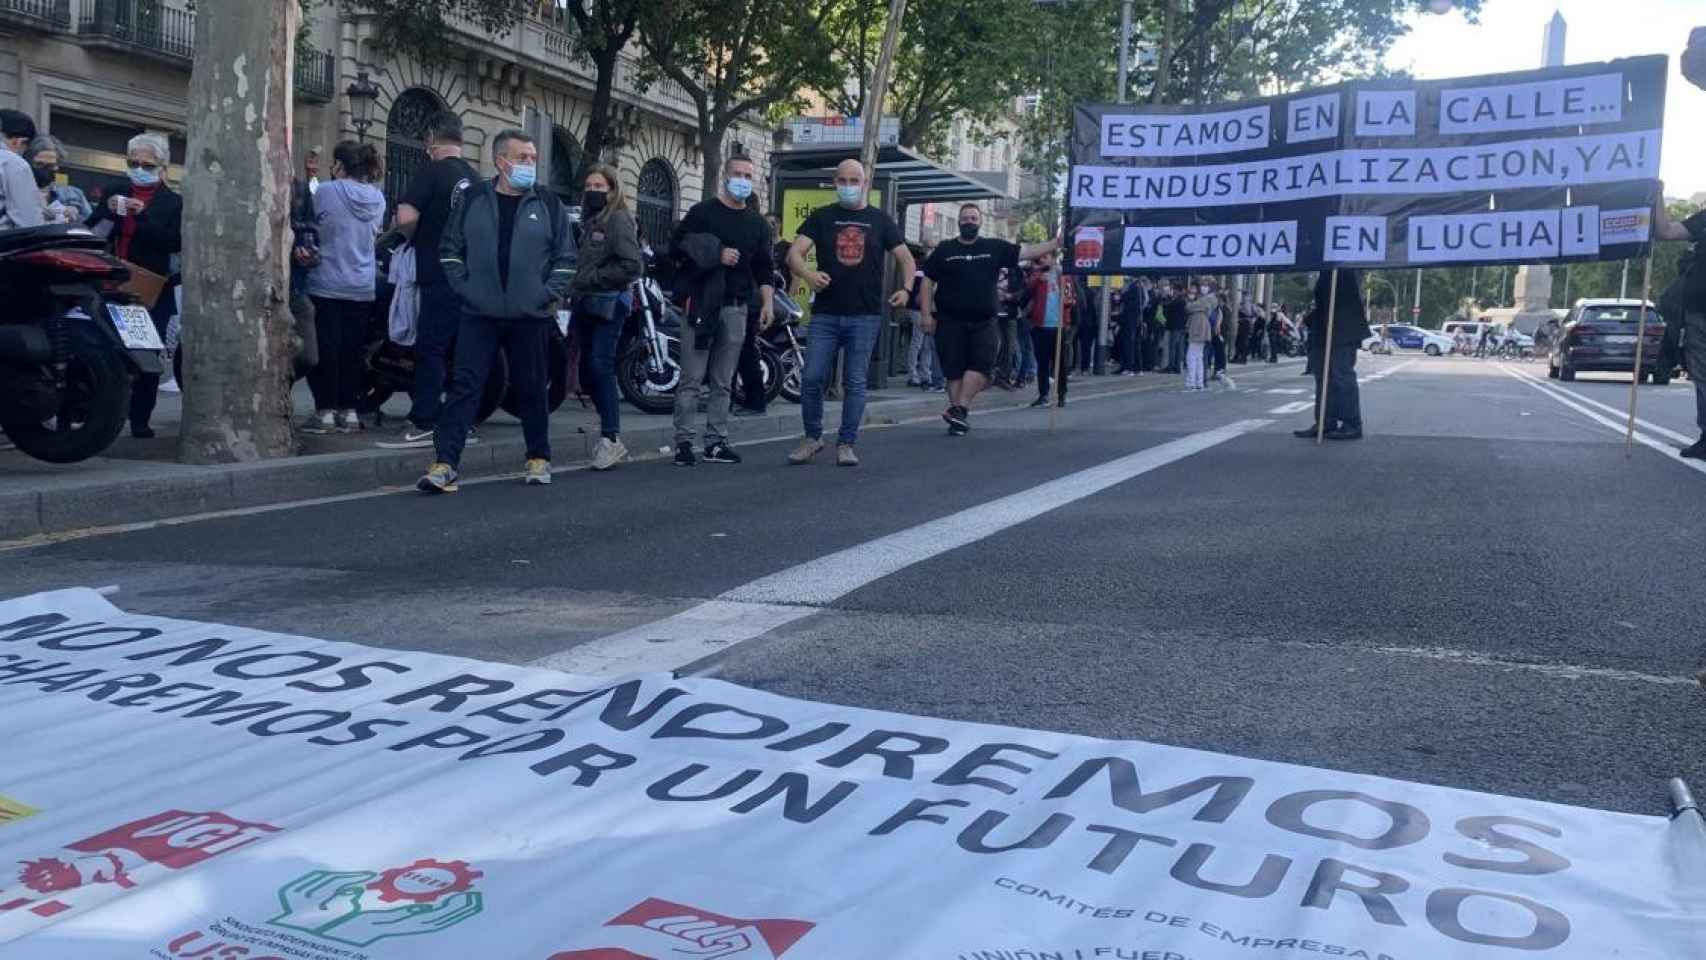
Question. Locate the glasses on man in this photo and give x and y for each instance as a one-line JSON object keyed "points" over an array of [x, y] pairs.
{"points": [[140, 165]]}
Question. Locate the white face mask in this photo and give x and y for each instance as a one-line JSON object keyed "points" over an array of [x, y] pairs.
{"points": [[1203, 291]]}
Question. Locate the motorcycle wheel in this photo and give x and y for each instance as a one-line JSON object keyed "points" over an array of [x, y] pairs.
{"points": [[770, 362], [556, 378], [639, 387], [92, 410], [793, 369]]}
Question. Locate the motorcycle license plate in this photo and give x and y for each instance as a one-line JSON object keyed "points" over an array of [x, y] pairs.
{"points": [[135, 327]]}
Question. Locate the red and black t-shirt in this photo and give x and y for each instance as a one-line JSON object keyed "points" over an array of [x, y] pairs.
{"points": [[851, 246]]}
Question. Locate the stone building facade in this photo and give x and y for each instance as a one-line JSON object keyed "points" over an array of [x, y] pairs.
{"points": [[96, 72]]}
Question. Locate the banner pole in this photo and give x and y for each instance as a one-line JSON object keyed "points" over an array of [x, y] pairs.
{"points": [[1640, 345], [1326, 362], [1059, 346]]}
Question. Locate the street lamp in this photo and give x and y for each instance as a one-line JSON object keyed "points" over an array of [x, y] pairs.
{"points": [[363, 94]]}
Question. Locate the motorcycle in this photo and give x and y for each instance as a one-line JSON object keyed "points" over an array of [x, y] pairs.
{"points": [[782, 342], [648, 351], [70, 340]]}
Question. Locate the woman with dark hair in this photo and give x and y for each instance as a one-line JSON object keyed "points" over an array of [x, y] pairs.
{"points": [[348, 213], [609, 261], [145, 218]]}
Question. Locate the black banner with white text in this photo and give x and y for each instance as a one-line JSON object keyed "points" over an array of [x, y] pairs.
{"points": [[1554, 165]]}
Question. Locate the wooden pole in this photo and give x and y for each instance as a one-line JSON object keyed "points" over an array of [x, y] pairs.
{"points": [[1640, 345], [873, 118], [1327, 361]]}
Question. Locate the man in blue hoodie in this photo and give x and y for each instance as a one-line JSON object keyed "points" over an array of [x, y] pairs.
{"points": [[508, 252]]}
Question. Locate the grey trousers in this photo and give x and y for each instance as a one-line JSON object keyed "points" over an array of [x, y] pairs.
{"points": [[721, 359]]}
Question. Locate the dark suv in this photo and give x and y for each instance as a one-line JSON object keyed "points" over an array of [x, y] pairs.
{"points": [[1599, 336]]}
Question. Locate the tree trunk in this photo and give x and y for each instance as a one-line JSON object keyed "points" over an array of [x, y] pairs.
{"points": [[237, 334], [598, 118], [711, 153]]}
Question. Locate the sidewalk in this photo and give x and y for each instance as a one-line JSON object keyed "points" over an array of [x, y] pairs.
{"points": [[140, 480]]}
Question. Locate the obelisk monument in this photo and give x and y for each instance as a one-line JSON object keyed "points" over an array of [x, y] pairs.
{"points": [[1533, 289]]}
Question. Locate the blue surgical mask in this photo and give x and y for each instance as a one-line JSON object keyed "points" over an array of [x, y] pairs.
{"points": [[740, 188], [522, 175], [849, 195], [144, 178]]}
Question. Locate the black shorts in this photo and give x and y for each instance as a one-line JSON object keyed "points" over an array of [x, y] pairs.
{"points": [[966, 344]]}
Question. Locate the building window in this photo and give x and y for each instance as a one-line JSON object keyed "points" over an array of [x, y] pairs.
{"points": [[655, 199], [405, 139], [566, 158]]}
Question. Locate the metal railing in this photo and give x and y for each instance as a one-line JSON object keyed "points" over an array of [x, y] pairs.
{"points": [[50, 13], [316, 74], [145, 24]]}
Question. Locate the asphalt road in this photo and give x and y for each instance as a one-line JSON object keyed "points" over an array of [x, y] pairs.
{"points": [[1487, 592]]}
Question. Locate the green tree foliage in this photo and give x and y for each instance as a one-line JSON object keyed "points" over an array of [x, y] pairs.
{"points": [[736, 59], [957, 59]]}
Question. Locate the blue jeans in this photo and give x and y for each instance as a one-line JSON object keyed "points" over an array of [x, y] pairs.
{"points": [[435, 330], [1027, 351], [825, 335], [597, 340]]}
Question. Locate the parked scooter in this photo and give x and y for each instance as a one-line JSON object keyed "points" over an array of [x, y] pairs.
{"points": [[783, 341], [70, 341]]}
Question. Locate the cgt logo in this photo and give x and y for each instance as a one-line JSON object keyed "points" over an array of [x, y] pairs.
{"points": [[661, 930], [94, 869]]}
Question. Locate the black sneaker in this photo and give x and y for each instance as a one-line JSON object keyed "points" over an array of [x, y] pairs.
{"points": [[684, 455], [956, 420], [1696, 452], [1040, 402], [718, 452]]}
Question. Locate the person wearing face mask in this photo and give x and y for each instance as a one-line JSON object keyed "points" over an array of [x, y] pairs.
{"points": [[958, 306], [509, 253], [608, 262], [20, 198], [1200, 307], [62, 203], [721, 289], [145, 217], [347, 212], [852, 240]]}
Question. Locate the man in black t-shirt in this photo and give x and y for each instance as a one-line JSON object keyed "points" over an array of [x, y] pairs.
{"points": [[852, 239], [959, 307], [421, 215]]}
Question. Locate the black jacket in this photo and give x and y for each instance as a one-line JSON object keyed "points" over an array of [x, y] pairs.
{"points": [[541, 255], [1350, 319], [159, 228], [699, 276]]}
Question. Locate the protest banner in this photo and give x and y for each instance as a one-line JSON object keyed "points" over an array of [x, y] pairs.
{"points": [[186, 790], [1550, 165]]}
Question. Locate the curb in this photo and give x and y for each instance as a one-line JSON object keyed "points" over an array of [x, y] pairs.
{"points": [[71, 505]]}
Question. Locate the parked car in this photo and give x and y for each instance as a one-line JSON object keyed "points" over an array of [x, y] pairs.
{"points": [[1600, 336], [1431, 342]]}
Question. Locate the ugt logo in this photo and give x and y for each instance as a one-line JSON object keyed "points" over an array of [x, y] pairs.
{"points": [[661, 930], [355, 907], [97, 868]]}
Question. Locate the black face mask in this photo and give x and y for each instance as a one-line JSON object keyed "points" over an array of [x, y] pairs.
{"points": [[592, 201], [968, 231], [45, 175]]}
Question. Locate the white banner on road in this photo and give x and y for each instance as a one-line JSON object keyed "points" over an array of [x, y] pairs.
{"points": [[172, 790]]}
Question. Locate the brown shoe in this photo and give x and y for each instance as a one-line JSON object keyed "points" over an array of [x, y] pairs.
{"points": [[845, 457], [804, 453]]}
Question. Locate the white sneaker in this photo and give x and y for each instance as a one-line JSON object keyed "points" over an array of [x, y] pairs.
{"points": [[170, 386], [608, 453], [350, 422]]}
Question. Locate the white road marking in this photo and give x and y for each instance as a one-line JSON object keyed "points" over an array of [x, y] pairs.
{"points": [[1558, 671], [1681, 438], [1296, 406], [1288, 392], [758, 607], [1621, 428]]}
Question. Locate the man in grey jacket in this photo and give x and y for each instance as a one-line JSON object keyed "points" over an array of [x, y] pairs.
{"points": [[508, 252], [20, 199]]}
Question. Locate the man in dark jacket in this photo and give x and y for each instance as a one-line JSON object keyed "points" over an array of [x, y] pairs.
{"points": [[1350, 329], [1174, 312], [509, 254]]}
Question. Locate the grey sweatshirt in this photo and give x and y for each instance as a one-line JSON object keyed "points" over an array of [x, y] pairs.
{"points": [[20, 199], [349, 214]]}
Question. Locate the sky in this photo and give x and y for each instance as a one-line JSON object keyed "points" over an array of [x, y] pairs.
{"points": [[1508, 38]]}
